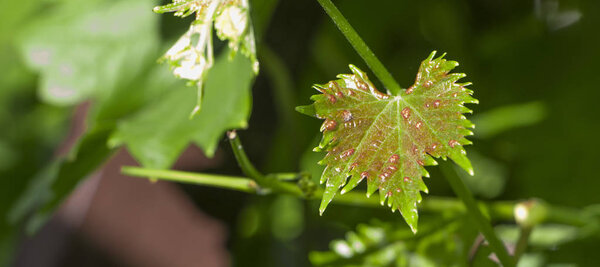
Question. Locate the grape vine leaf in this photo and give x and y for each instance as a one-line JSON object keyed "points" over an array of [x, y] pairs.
{"points": [[388, 139], [159, 132]]}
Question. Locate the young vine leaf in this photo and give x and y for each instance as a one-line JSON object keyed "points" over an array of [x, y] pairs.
{"points": [[192, 55], [388, 139]]}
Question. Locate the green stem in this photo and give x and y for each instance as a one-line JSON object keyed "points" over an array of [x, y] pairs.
{"points": [[221, 181], [522, 242], [361, 48], [240, 156], [473, 210], [499, 210], [266, 183], [285, 176]]}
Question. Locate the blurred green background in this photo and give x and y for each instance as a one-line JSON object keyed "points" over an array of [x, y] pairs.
{"points": [[533, 66]]}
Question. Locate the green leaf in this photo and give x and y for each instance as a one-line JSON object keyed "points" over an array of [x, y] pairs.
{"points": [[388, 244], [388, 139], [82, 50], [367, 246], [85, 50], [158, 133]]}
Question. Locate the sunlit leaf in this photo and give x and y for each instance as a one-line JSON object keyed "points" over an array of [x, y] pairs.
{"points": [[388, 139]]}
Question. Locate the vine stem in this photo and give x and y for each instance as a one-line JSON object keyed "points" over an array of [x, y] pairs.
{"points": [[522, 241], [243, 161], [265, 183], [498, 210], [228, 182], [481, 221], [361, 47]]}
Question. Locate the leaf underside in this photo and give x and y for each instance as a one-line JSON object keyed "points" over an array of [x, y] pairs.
{"points": [[388, 139]]}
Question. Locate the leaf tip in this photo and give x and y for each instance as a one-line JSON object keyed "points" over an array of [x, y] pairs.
{"points": [[307, 110], [432, 55], [356, 71]]}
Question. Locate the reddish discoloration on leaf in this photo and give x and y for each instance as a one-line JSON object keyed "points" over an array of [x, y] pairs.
{"points": [[328, 125], [388, 139]]}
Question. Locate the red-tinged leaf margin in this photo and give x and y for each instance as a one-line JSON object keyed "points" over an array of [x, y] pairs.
{"points": [[389, 139]]}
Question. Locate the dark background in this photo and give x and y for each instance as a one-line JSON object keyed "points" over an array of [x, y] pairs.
{"points": [[515, 52]]}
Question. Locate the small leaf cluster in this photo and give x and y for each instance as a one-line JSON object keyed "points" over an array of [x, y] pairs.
{"points": [[383, 244]]}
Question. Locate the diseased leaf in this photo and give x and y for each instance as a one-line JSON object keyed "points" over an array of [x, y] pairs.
{"points": [[387, 139]]}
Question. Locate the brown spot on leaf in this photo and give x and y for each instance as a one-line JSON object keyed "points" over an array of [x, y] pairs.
{"points": [[394, 158], [452, 143], [328, 125], [436, 103], [409, 90], [331, 98], [405, 113], [434, 146], [384, 176], [347, 153], [418, 125], [347, 115]]}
